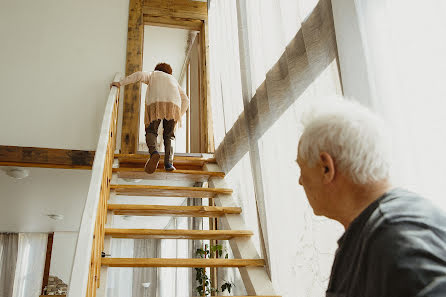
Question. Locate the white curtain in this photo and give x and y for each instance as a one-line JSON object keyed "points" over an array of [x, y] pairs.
{"points": [[30, 264], [289, 57], [8, 260], [405, 48], [120, 280], [174, 281]]}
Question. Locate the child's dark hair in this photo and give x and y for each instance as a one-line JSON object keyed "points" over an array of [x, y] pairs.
{"points": [[164, 67]]}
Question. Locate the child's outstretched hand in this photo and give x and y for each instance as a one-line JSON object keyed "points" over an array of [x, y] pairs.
{"points": [[115, 84]]}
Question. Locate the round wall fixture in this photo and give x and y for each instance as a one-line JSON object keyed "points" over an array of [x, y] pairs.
{"points": [[17, 172]]}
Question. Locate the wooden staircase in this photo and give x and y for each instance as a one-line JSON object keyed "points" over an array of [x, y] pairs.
{"points": [[191, 169], [117, 175]]}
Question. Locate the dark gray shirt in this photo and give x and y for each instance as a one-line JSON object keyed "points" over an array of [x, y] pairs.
{"points": [[395, 248]]}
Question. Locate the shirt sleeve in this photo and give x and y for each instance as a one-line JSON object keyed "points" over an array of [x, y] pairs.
{"points": [[139, 76], [405, 260], [184, 101]]}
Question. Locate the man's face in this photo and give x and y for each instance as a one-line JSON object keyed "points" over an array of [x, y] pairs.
{"points": [[311, 179]]}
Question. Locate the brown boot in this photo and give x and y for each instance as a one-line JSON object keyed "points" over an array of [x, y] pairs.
{"points": [[152, 163]]}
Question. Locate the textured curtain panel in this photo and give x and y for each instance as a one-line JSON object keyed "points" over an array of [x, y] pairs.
{"points": [[120, 280], [284, 56], [406, 59], [8, 260], [145, 279], [308, 54], [30, 264]]}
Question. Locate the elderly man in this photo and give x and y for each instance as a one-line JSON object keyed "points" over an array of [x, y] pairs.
{"points": [[395, 241]]}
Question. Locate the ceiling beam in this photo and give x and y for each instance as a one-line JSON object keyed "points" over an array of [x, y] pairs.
{"points": [[173, 22], [176, 8], [45, 157]]}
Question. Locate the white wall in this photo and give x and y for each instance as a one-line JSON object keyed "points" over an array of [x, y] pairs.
{"points": [[57, 59], [64, 245], [352, 56]]}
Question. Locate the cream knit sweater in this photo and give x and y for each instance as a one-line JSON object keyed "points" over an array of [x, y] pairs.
{"points": [[165, 99]]}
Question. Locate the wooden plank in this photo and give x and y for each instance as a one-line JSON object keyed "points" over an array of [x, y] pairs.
{"points": [[167, 191], [49, 250], [132, 93], [176, 8], [177, 234], [168, 262], [207, 143], [45, 157], [161, 174], [178, 160], [168, 210], [172, 22]]}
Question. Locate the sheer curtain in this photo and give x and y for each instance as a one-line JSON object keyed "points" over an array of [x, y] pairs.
{"points": [[30, 264], [405, 46], [288, 56], [120, 280], [8, 260]]}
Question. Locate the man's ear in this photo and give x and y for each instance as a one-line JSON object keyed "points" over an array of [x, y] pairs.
{"points": [[327, 167]]}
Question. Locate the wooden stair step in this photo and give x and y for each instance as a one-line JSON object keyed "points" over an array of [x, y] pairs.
{"points": [[177, 234], [161, 174], [168, 191], [168, 262], [167, 210], [181, 162]]}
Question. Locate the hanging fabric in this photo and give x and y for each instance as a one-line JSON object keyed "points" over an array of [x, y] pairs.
{"points": [[30, 264], [8, 260]]}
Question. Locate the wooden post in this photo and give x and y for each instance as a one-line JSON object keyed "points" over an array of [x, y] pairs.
{"points": [[207, 137], [213, 242], [188, 110], [46, 272], [132, 94]]}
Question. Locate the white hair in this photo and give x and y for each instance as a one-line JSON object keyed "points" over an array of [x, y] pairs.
{"points": [[354, 137]]}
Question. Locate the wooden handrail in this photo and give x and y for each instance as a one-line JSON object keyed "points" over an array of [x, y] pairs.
{"points": [[87, 261]]}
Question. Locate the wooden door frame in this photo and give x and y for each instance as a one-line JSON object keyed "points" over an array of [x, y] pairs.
{"points": [[184, 14]]}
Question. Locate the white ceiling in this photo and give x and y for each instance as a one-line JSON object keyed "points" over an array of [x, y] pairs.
{"points": [[26, 203]]}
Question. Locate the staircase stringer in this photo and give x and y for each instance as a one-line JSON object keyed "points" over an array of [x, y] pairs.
{"points": [[255, 279]]}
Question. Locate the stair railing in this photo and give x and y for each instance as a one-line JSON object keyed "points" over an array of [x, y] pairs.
{"points": [[85, 275]]}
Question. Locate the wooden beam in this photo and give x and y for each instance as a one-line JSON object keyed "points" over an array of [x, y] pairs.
{"points": [[46, 271], [132, 93], [207, 142], [172, 22], [166, 262], [176, 8], [45, 157], [177, 234], [168, 210]]}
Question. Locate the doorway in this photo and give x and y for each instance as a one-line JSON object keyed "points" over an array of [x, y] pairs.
{"points": [[181, 49]]}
